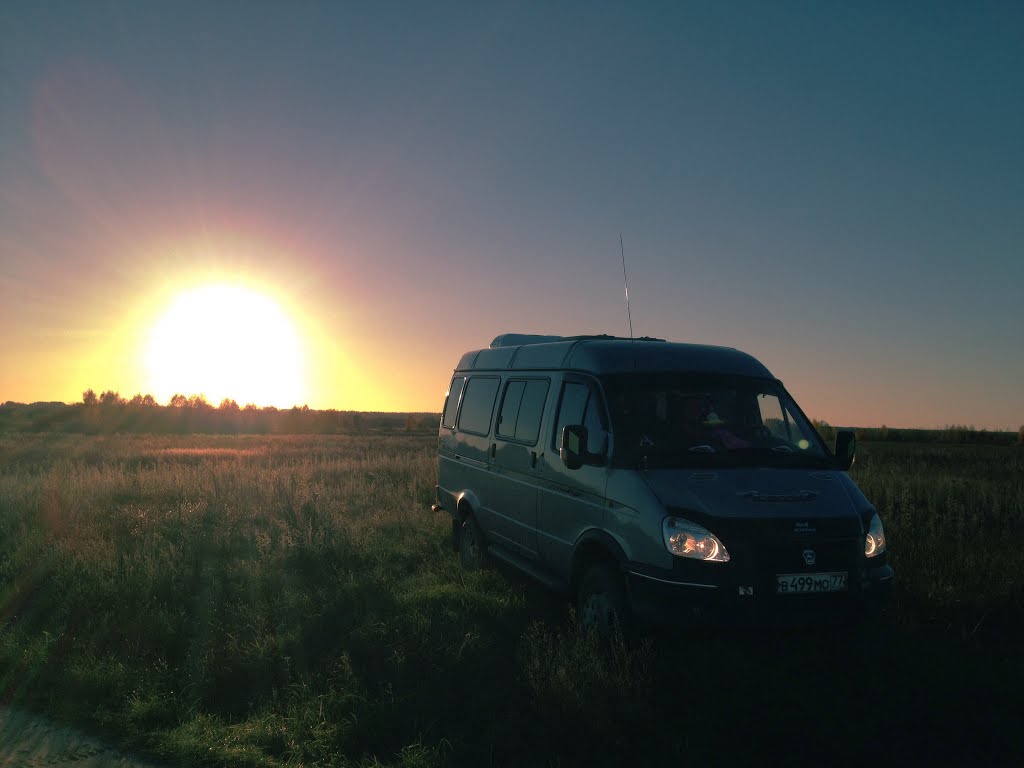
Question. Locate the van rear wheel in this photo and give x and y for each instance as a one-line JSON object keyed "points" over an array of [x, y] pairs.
{"points": [[472, 548], [601, 601]]}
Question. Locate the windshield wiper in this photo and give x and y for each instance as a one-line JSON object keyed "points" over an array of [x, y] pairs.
{"points": [[701, 449], [782, 449]]}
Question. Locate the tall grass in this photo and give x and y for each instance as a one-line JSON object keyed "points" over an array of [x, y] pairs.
{"points": [[292, 601], [174, 581], [955, 516]]}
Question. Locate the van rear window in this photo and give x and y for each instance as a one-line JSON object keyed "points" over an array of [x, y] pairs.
{"points": [[478, 404], [451, 405]]}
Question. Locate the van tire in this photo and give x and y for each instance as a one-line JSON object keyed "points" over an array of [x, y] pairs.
{"points": [[472, 547], [601, 601]]}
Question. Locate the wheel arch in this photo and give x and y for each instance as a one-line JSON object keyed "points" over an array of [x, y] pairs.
{"points": [[591, 547], [466, 505]]}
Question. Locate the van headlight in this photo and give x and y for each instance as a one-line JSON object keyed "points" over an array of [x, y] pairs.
{"points": [[874, 542], [688, 539]]}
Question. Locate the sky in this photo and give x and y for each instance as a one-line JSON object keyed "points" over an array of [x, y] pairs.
{"points": [[836, 188]]}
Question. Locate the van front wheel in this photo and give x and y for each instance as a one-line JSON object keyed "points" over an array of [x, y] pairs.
{"points": [[601, 601], [472, 549]]}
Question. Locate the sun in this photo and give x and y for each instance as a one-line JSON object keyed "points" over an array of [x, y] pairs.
{"points": [[226, 341]]}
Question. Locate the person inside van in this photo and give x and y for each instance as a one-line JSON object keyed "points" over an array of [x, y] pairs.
{"points": [[724, 422], [698, 421]]}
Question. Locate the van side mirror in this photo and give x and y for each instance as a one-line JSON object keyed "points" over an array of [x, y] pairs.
{"points": [[573, 448], [846, 448]]}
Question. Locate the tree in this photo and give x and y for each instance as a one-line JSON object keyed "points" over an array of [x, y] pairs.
{"points": [[178, 401], [1020, 435], [89, 397], [199, 401], [227, 404], [826, 430], [110, 397]]}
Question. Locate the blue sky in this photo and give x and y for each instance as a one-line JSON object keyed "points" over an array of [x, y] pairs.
{"points": [[837, 188]]}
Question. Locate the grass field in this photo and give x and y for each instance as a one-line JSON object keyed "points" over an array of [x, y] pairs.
{"points": [[292, 600]]}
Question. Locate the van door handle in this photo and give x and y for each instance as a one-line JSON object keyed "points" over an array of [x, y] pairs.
{"points": [[533, 459], [494, 448]]}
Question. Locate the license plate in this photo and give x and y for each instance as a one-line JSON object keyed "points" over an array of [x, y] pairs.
{"points": [[805, 583]]}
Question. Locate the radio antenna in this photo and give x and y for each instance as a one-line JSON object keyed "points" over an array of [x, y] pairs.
{"points": [[625, 282]]}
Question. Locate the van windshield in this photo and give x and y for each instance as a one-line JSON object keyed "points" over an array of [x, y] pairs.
{"points": [[678, 419]]}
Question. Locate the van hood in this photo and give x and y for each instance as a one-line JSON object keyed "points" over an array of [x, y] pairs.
{"points": [[770, 500]]}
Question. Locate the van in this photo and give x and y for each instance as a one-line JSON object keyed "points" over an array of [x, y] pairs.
{"points": [[653, 480]]}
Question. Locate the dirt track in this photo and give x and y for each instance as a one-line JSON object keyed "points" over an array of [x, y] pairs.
{"points": [[30, 741]]}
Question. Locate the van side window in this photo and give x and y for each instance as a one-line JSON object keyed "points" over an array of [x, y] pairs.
{"points": [[531, 411], [581, 404], [510, 409], [521, 409], [451, 404], [478, 404], [773, 417], [595, 420]]}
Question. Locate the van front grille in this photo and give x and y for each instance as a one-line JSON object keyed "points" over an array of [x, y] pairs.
{"points": [[758, 562]]}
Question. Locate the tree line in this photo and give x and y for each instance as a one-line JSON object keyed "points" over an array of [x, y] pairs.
{"points": [[109, 412], [960, 434]]}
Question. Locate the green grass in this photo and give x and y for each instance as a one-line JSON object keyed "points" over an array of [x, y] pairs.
{"points": [[292, 601]]}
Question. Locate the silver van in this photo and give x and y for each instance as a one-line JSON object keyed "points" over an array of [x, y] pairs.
{"points": [[655, 480]]}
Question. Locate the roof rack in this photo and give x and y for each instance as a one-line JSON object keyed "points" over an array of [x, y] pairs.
{"points": [[518, 339], [521, 339]]}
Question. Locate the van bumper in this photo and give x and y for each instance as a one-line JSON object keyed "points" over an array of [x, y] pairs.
{"points": [[658, 596]]}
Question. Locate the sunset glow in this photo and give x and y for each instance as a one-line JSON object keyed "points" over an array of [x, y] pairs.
{"points": [[226, 341], [834, 189]]}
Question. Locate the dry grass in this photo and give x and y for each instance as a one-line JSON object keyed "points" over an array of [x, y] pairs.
{"points": [[292, 601]]}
